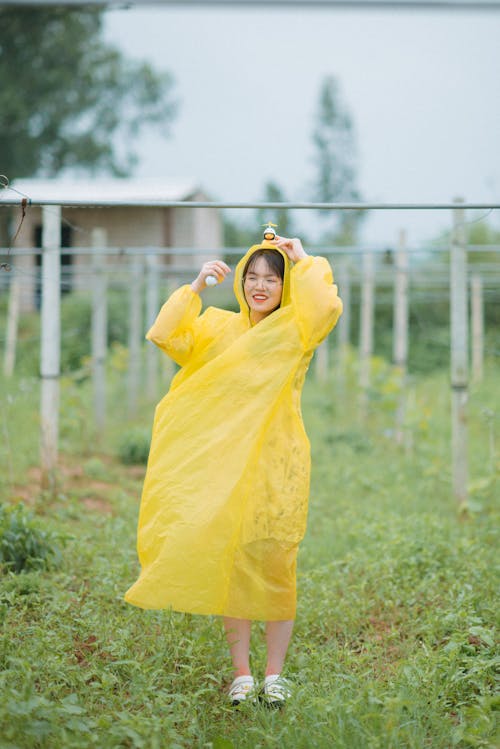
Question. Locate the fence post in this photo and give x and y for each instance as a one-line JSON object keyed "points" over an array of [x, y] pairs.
{"points": [[134, 335], [152, 309], [321, 361], [400, 332], [12, 324], [343, 326], [477, 325], [459, 355], [99, 327], [50, 354], [366, 329]]}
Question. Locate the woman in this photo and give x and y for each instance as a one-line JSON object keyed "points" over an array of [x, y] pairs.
{"points": [[224, 503]]}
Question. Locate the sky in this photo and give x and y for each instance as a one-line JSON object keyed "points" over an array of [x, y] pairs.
{"points": [[423, 89]]}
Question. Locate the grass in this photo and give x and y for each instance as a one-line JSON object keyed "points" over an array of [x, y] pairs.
{"points": [[394, 643]]}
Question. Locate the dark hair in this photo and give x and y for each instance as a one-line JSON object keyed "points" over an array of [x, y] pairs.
{"points": [[273, 258]]}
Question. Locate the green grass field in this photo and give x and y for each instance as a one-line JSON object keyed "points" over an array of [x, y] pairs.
{"points": [[394, 644]]}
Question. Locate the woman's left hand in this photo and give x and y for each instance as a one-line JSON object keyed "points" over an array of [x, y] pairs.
{"points": [[292, 247]]}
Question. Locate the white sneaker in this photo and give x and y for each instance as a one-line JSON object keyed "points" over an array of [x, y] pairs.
{"points": [[242, 689], [276, 691]]}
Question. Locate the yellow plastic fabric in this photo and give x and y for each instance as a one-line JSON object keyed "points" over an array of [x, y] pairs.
{"points": [[224, 503]]}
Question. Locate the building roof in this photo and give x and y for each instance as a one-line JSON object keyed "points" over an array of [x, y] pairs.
{"points": [[98, 189]]}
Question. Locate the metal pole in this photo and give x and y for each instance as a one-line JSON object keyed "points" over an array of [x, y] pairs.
{"points": [[50, 354], [366, 321], [99, 329], [459, 356], [134, 335], [477, 325], [164, 203], [344, 324], [12, 325], [152, 309], [321, 361], [400, 340]]}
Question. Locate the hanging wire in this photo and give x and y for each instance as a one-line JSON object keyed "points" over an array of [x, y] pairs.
{"points": [[27, 202], [5, 185]]}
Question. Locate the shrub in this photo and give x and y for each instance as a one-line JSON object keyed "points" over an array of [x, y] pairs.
{"points": [[96, 469], [134, 447], [24, 545]]}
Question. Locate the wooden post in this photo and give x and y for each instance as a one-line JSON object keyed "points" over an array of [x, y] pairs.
{"points": [[12, 324], [400, 332], [477, 325], [152, 309], [134, 335], [459, 356], [99, 328], [50, 354], [366, 329]]}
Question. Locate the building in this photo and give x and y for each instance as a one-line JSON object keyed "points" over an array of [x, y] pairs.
{"points": [[140, 226]]}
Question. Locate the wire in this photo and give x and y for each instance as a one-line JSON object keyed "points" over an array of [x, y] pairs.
{"points": [[5, 185]]}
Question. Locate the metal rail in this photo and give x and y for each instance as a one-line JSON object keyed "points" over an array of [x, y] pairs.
{"points": [[141, 203], [380, 248], [469, 5]]}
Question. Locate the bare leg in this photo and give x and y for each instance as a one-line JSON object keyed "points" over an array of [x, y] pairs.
{"points": [[278, 636], [238, 638]]}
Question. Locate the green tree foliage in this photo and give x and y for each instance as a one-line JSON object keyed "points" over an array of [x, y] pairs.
{"points": [[335, 161], [478, 232], [67, 98]]}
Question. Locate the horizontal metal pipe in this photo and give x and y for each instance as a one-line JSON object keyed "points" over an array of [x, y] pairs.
{"points": [[334, 4], [140, 203], [180, 251]]}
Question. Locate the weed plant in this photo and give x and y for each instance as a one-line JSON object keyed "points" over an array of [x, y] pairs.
{"points": [[394, 644], [24, 544]]}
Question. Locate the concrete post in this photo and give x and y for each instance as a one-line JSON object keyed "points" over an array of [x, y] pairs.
{"points": [[50, 355], [99, 328], [459, 356]]}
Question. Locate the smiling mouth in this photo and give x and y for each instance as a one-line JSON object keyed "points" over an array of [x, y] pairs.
{"points": [[259, 298]]}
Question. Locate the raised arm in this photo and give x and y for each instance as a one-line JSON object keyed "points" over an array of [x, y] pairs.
{"points": [[174, 330], [315, 299], [314, 296]]}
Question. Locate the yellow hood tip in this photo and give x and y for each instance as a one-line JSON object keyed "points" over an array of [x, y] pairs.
{"points": [[238, 275]]}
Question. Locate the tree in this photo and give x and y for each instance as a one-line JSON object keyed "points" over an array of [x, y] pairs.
{"points": [[335, 161], [67, 98]]}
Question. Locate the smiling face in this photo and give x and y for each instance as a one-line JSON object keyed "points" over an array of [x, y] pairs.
{"points": [[262, 287]]}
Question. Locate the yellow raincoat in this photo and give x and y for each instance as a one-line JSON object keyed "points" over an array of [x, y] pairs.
{"points": [[224, 503]]}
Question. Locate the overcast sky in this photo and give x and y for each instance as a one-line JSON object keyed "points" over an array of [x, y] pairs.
{"points": [[423, 88]]}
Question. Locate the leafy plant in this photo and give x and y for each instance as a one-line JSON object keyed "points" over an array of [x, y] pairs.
{"points": [[134, 447], [24, 545]]}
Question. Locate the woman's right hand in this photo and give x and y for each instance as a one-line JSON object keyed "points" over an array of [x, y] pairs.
{"points": [[217, 268]]}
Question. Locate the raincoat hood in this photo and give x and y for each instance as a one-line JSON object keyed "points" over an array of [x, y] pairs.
{"points": [[238, 276]]}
